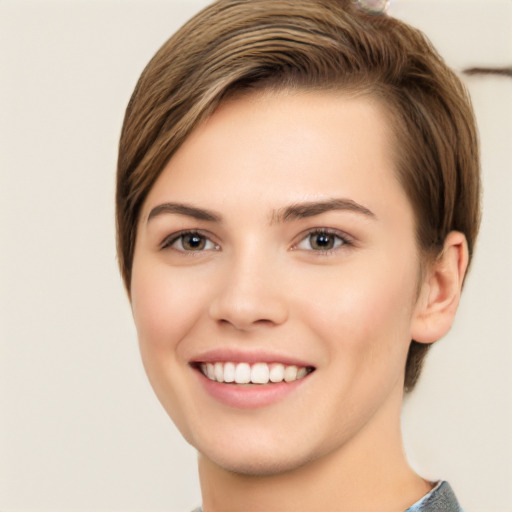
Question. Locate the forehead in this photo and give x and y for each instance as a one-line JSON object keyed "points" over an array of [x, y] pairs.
{"points": [[271, 149]]}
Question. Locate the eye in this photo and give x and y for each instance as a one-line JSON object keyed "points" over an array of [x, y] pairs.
{"points": [[322, 240], [189, 241]]}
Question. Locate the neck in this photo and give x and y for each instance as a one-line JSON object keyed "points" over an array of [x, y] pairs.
{"points": [[370, 472]]}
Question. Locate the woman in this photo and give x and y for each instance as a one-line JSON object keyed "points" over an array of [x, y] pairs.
{"points": [[297, 205]]}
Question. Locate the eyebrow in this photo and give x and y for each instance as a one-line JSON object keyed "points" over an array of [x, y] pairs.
{"points": [[310, 209], [287, 214], [186, 210]]}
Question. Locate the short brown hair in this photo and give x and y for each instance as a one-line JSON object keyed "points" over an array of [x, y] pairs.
{"points": [[238, 45]]}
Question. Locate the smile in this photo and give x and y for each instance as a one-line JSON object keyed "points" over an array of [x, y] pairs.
{"points": [[257, 373]]}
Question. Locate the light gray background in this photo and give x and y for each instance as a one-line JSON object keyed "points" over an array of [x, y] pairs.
{"points": [[80, 428]]}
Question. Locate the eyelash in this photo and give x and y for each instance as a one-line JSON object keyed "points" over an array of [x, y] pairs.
{"points": [[172, 239], [343, 240]]}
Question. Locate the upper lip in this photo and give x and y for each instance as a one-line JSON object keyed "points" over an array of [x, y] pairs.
{"points": [[247, 356]]}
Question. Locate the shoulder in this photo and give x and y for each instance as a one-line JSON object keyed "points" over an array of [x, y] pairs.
{"points": [[440, 499]]}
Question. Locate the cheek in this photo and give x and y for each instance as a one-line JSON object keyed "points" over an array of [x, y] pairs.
{"points": [[164, 305], [366, 309]]}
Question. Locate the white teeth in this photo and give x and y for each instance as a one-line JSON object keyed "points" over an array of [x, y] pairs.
{"points": [[277, 373], [301, 373], [210, 371], [258, 373], [219, 372], [242, 373], [229, 372], [290, 373]]}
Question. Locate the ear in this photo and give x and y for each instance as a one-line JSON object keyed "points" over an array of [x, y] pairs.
{"points": [[440, 291]]}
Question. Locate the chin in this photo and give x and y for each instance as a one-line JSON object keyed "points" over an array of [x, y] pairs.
{"points": [[260, 465], [261, 457]]}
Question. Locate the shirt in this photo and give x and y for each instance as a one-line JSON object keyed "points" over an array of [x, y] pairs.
{"points": [[440, 499]]}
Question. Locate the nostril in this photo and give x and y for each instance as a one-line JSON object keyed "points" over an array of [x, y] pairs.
{"points": [[247, 298], [244, 326]]}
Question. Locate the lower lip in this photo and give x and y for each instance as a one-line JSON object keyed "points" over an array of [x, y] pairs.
{"points": [[249, 396]]}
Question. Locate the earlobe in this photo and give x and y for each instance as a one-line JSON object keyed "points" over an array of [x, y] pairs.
{"points": [[440, 292]]}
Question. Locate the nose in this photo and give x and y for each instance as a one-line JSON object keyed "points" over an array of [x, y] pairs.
{"points": [[250, 294]]}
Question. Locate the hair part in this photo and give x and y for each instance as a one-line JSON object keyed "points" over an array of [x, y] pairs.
{"points": [[239, 46]]}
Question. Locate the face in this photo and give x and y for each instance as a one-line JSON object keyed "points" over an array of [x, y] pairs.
{"points": [[274, 281]]}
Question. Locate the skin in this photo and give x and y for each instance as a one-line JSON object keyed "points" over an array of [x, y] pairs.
{"points": [[260, 285]]}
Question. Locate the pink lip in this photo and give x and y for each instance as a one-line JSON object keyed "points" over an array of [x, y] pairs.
{"points": [[251, 357], [249, 396]]}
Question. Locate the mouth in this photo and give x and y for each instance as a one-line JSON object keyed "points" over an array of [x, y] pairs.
{"points": [[250, 380], [259, 373]]}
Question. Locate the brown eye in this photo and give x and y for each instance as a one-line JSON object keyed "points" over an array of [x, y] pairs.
{"points": [[190, 242], [193, 242], [321, 241]]}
